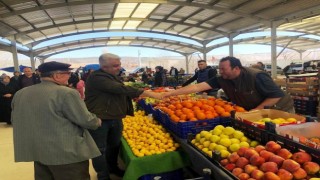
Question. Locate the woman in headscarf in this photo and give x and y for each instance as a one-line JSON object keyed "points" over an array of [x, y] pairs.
{"points": [[7, 90], [159, 77]]}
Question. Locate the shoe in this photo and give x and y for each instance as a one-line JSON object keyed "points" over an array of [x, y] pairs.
{"points": [[117, 171]]}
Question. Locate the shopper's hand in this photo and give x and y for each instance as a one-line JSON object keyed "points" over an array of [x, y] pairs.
{"points": [[7, 95], [99, 122]]}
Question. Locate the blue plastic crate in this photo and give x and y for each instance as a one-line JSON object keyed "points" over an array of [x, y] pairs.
{"points": [[182, 129], [172, 175]]}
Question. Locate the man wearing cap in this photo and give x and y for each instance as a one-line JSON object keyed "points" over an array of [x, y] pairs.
{"points": [[110, 100], [50, 124]]}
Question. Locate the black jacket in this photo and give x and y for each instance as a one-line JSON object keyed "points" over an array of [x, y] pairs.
{"points": [[35, 79], [107, 97]]}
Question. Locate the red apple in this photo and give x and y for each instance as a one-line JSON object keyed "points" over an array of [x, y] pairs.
{"points": [[249, 168], [242, 162], [284, 153], [301, 157], [237, 171], [257, 174], [266, 155], [299, 174], [273, 146], [269, 167], [290, 165], [233, 157], [277, 159], [243, 176], [241, 151], [259, 148], [224, 162], [249, 153], [271, 176], [256, 160], [230, 166], [284, 174], [311, 167]]}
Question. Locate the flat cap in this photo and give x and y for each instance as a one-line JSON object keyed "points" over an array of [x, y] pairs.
{"points": [[53, 66]]}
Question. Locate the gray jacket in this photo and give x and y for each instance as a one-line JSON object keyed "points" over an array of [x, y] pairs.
{"points": [[49, 125]]}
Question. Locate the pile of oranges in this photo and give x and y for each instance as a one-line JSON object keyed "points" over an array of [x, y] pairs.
{"points": [[196, 109]]}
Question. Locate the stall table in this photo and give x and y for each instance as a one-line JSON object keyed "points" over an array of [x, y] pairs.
{"points": [[154, 164]]}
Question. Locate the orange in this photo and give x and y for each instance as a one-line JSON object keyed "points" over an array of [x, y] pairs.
{"points": [[190, 115], [179, 106], [201, 116], [198, 103], [172, 107], [225, 114]]}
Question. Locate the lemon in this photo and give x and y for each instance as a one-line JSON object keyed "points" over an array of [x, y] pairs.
{"points": [[238, 134], [291, 120], [228, 130], [244, 139], [202, 140], [224, 153], [234, 147], [206, 144], [224, 136], [254, 143], [212, 146], [234, 141], [203, 133], [216, 132], [214, 138], [208, 136], [225, 142], [220, 147], [219, 127], [244, 144]]}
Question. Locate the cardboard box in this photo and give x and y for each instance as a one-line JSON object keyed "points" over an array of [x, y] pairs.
{"points": [[252, 117], [301, 133]]}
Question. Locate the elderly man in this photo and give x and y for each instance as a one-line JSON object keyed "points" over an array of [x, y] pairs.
{"points": [[50, 124], [28, 78], [110, 100], [247, 87]]}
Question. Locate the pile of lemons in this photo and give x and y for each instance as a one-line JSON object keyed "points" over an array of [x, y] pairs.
{"points": [[145, 136], [222, 139]]}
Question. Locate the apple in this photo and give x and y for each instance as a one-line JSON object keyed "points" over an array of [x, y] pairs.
{"points": [[243, 176], [256, 160], [301, 157], [269, 167], [311, 167], [273, 146], [249, 168], [284, 153], [241, 162], [257, 174], [277, 159], [299, 174], [266, 155], [250, 152], [224, 162], [284, 174], [290, 165], [233, 157], [230, 166], [271, 176], [237, 171], [259, 148], [241, 151]]}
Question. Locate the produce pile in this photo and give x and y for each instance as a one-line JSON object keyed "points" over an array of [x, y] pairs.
{"points": [[145, 136], [279, 121], [270, 162], [222, 139], [137, 84], [186, 108]]}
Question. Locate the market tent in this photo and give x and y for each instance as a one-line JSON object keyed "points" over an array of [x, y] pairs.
{"points": [[95, 67], [11, 69]]}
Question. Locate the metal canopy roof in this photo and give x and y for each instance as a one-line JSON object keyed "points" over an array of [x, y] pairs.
{"points": [[32, 21], [170, 45], [296, 43]]}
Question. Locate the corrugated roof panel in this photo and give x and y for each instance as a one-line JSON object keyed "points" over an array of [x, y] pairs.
{"points": [[150, 43], [84, 27], [162, 26], [182, 13], [48, 32], [15, 21], [46, 2], [68, 29], [146, 25], [104, 10], [100, 25], [36, 35], [191, 31], [206, 35], [82, 18], [239, 25], [162, 11], [3, 10], [36, 16], [222, 18], [178, 28], [25, 28], [44, 24], [257, 5], [20, 5], [81, 9], [60, 12], [201, 16]]}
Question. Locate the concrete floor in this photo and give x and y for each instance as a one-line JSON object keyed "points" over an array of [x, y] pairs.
{"points": [[9, 170]]}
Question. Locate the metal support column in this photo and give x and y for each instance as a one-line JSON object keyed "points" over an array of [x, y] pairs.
{"points": [[15, 55], [230, 37], [187, 64], [32, 60], [273, 50], [300, 53], [41, 61]]}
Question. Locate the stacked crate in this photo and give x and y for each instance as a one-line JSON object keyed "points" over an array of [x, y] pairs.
{"points": [[304, 91]]}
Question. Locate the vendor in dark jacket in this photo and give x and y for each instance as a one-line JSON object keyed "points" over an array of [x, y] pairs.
{"points": [[28, 78], [108, 98], [204, 73], [246, 87]]}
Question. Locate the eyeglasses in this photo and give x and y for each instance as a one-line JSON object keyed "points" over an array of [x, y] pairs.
{"points": [[66, 72]]}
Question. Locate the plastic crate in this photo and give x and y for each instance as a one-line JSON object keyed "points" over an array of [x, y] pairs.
{"points": [[146, 107], [172, 175], [182, 129]]}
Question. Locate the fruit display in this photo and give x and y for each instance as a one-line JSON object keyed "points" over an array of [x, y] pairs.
{"points": [[186, 108], [279, 121], [137, 84], [225, 140], [145, 136], [270, 162]]}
